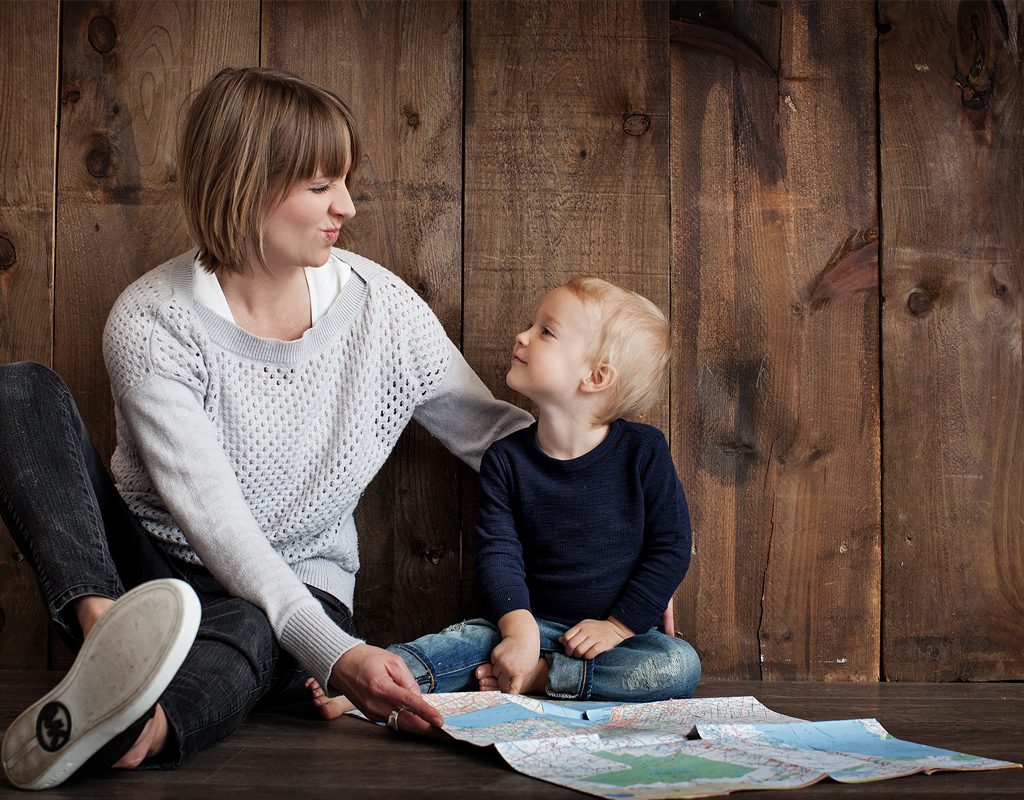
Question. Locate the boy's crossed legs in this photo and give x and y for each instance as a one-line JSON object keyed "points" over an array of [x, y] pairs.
{"points": [[649, 666]]}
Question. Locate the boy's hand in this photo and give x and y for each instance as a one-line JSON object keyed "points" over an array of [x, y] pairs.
{"points": [[514, 660], [591, 637]]}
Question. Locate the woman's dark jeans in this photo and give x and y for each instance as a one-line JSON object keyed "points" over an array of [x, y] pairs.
{"points": [[78, 535]]}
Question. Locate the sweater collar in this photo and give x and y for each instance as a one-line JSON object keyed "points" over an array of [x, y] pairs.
{"points": [[226, 334]]}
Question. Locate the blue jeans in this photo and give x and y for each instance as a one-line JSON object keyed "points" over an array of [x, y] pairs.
{"points": [[70, 523], [650, 666]]}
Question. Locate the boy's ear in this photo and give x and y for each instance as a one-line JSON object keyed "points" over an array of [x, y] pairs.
{"points": [[598, 379]]}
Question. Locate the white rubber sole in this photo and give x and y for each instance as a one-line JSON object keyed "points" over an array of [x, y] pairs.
{"points": [[129, 658]]}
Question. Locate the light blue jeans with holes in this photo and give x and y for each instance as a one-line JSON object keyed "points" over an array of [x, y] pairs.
{"points": [[649, 666]]}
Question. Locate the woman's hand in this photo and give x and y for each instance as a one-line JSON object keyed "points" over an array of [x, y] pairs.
{"points": [[379, 682], [591, 637]]}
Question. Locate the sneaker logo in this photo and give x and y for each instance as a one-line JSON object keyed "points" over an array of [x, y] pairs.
{"points": [[53, 727]]}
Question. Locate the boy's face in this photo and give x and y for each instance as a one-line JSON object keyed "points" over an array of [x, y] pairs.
{"points": [[551, 358]]}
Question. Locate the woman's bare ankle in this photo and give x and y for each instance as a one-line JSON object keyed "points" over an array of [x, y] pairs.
{"points": [[150, 742], [89, 609]]}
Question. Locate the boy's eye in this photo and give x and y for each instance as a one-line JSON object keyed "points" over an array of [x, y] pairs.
{"points": [[545, 331]]}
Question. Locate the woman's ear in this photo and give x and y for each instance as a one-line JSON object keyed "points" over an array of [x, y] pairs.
{"points": [[598, 379]]}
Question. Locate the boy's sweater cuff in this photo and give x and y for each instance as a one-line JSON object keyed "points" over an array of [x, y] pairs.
{"points": [[508, 598], [639, 617], [316, 641]]}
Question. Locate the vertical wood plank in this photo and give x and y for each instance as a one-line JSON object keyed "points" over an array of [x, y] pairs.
{"points": [[952, 134], [775, 391], [398, 65], [28, 99], [566, 162], [128, 70]]}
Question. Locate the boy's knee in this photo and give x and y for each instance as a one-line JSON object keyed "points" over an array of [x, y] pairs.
{"points": [[672, 671]]}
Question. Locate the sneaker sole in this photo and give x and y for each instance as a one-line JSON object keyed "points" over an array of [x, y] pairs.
{"points": [[130, 657]]}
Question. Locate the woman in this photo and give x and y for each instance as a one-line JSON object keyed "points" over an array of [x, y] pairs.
{"points": [[260, 381]]}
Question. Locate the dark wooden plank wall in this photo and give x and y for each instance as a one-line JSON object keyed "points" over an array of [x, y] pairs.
{"points": [[952, 132], [28, 117], [775, 395], [761, 240]]}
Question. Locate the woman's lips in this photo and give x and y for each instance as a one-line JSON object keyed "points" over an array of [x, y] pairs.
{"points": [[331, 234]]}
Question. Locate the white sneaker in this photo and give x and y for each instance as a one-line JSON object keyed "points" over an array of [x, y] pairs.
{"points": [[128, 659]]}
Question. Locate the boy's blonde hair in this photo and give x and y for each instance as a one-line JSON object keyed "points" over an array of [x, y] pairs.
{"points": [[249, 135], [635, 340]]}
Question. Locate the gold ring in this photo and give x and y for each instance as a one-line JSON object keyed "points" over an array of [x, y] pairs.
{"points": [[392, 722]]}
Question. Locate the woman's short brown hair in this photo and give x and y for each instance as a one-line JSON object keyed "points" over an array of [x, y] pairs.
{"points": [[250, 134]]}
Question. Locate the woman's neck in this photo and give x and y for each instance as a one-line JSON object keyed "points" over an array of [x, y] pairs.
{"points": [[274, 305], [565, 436]]}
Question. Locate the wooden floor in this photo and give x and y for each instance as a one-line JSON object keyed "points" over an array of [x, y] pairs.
{"points": [[288, 752]]}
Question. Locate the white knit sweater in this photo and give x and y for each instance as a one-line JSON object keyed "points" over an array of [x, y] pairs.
{"points": [[248, 455]]}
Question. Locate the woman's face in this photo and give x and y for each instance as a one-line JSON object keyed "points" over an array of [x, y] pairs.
{"points": [[301, 230]]}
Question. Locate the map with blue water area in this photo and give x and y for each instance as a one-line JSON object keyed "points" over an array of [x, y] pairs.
{"points": [[684, 748]]}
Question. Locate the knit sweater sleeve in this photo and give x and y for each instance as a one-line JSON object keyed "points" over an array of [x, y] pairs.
{"points": [[665, 557], [501, 572], [157, 379], [464, 414]]}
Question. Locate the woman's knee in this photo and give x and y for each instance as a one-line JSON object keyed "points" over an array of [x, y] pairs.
{"points": [[237, 637], [26, 381]]}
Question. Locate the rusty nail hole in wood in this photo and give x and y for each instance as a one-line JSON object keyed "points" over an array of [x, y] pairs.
{"points": [[102, 35], [636, 124], [97, 161], [8, 253], [919, 303]]}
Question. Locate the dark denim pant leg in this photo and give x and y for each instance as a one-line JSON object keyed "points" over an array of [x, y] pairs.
{"points": [[446, 661], [58, 501], [234, 665]]}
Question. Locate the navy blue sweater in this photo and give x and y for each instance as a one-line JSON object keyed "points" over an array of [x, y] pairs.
{"points": [[605, 534]]}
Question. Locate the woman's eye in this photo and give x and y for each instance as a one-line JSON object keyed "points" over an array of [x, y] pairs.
{"points": [[320, 189]]}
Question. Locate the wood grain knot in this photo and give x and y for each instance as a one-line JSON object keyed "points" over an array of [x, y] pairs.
{"points": [[73, 96], [975, 87], [8, 254], [422, 289], [102, 35], [98, 160], [412, 118], [920, 303], [636, 124]]}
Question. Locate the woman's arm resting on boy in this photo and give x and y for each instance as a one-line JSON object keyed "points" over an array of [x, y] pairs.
{"points": [[591, 637], [464, 414]]}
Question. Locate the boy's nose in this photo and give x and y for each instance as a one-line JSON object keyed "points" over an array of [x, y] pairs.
{"points": [[521, 338]]}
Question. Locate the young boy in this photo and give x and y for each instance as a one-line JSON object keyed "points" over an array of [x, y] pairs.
{"points": [[583, 532]]}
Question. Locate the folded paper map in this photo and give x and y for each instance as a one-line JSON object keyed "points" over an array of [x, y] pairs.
{"points": [[650, 750]]}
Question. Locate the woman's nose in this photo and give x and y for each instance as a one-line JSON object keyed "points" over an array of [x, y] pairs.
{"points": [[342, 205]]}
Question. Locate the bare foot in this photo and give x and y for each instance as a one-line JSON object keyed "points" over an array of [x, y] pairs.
{"points": [[150, 742], [485, 676], [535, 683], [329, 707]]}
